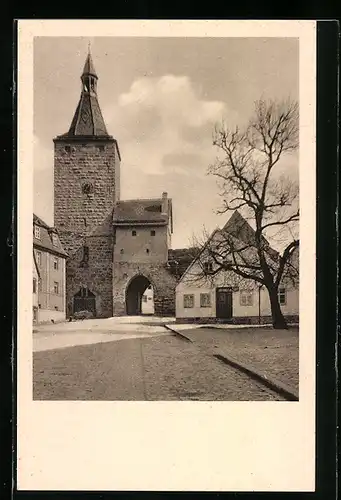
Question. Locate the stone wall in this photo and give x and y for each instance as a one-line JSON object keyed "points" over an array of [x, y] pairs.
{"points": [[84, 185], [96, 275], [85, 190]]}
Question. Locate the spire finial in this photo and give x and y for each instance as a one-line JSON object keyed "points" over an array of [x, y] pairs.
{"points": [[89, 47]]}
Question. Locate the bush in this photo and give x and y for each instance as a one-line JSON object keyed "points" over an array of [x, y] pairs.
{"points": [[83, 315]]}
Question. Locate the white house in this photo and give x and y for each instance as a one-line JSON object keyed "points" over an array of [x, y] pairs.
{"points": [[224, 296], [147, 306]]}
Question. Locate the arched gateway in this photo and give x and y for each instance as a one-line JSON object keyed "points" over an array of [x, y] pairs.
{"points": [[134, 292]]}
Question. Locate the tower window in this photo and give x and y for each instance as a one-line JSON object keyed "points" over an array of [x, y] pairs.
{"points": [[55, 263], [152, 232], [147, 250], [34, 285], [56, 287], [85, 258], [133, 233], [121, 251]]}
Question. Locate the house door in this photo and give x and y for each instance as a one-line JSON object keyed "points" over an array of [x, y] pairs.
{"points": [[84, 300], [224, 303]]}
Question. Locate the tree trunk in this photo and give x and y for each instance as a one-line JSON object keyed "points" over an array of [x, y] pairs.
{"points": [[278, 320]]}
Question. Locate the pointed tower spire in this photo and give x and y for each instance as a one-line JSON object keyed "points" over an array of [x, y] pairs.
{"points": [[88, 119], [89, 68]]}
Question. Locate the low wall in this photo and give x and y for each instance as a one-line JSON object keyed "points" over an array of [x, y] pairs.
{"points": [[46, 315], [242, 320]]}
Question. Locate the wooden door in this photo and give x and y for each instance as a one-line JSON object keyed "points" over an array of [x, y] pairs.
{"points": [[224, 303]]}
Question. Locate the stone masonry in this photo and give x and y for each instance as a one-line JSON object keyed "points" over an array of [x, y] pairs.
{"points": [[89, 215]]}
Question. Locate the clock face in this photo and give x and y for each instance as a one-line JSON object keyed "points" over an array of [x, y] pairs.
{"points": [[87, 188]]}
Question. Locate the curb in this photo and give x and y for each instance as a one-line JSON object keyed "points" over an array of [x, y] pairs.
{"points": [[288, 392], [181, 335]]}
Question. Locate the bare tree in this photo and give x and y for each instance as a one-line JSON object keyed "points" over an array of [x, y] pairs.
{"points": [[246, 173]]}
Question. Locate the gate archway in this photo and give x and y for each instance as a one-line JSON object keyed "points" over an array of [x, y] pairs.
{"points": [[84, 300], [134, 293]]}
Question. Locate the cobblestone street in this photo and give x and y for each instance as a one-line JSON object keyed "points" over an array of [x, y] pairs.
{"points": [[157, 367], [274, 352]]}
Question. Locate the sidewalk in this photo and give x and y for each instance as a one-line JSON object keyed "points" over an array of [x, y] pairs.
{"points": [[267, 354]]}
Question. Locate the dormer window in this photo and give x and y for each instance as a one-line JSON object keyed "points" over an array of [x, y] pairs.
{"points": [[54, 239], [208, 267], [37, 232]]}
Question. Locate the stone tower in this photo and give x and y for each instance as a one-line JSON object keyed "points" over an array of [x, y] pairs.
{"points": [[86, 188]]}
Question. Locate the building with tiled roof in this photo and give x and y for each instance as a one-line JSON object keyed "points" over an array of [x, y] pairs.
{"points": [[205, 293], [49, 259], [116, 248]]}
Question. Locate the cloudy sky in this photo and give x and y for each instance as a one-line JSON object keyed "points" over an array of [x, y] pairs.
{"points": [[160, 98]]}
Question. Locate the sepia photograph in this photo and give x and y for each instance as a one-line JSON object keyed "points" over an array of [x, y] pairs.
{"points": [[166, 223], [167, 255]]}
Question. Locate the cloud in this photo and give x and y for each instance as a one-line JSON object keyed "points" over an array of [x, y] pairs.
{"points": [[164, 123], [43, 180]]}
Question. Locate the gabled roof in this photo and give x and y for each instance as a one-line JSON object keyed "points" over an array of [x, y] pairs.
{"points": [[147, 211], [45, 241], [238, 227], [241, 231]]}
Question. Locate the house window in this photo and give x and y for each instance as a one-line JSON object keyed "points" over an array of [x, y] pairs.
{"points": [[208, 267], [147, 250], [56, 308], [205, 300], [37, 232], [152, 232], [54, 239], [246, 298], [282, 296], [34, 285], [133, 233], [188, 301], [56, 287], [55, 263], [121, 251], [144, 298], [40, 285], [38, 257]]}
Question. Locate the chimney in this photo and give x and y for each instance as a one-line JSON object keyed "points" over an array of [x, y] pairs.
{"points": [[164, 203]]}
